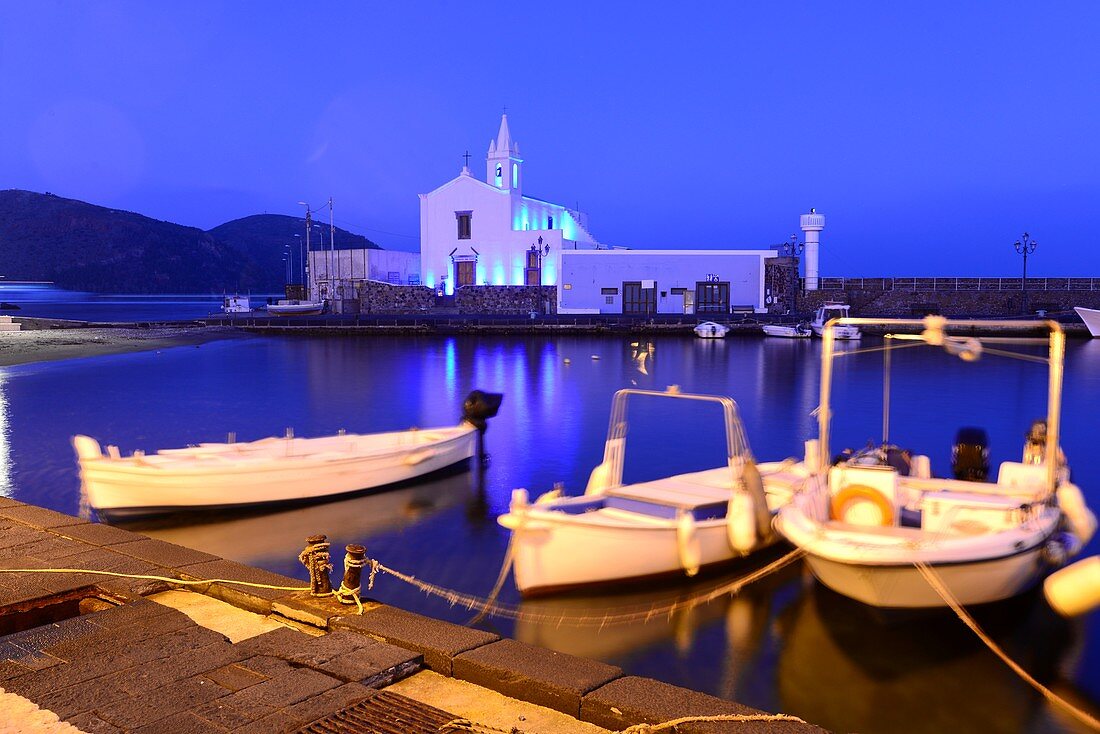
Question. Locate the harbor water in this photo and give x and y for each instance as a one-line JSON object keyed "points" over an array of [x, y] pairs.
{"points": [[785, 644]]}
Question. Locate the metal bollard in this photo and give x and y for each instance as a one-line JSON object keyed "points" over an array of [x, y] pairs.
{"points": [[354, 561], [315, 557]]}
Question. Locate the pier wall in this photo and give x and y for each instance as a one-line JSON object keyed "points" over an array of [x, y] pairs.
{"points": [[378, 297], [977, 303], [507, 299]]}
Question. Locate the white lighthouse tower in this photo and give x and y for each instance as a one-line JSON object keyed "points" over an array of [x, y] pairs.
{"points": [[812, 224]]}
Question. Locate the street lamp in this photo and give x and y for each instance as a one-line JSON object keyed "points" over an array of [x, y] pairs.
{"points": [[1025, 246], [792, 247]]}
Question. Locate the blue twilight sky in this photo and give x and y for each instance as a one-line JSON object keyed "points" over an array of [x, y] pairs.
{"points": [[931, 134]]}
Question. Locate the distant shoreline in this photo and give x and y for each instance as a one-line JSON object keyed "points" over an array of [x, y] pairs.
{"points": [[30, 346]]}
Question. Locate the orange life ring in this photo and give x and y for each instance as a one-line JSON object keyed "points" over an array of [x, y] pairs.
{"points": [[854, 493]]}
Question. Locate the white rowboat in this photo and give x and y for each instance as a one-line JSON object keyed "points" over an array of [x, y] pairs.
{"points": [[711, 330], [1091, 317], [801, 331]]}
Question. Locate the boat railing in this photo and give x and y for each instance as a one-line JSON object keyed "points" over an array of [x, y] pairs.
{"points": [[958, 284]]}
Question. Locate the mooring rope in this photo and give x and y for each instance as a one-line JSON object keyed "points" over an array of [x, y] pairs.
{"points": [[150, 577], [952, 601], [344, 591], [476, 727], [617, 615]]}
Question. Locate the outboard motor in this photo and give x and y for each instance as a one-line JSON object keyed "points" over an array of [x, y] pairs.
{"points": [[479, 407], [970, 455]]}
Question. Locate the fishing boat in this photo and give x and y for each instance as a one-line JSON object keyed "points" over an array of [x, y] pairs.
{"points": [[296, 308], [879, 528], [670, 527], [1091, 317], [711, 330], [274, 470], [798, 331], [236, 304], [827, 311]]}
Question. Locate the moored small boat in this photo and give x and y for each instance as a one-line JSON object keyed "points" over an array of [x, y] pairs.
{"points": [[828, 311], [296, 308], [670, 527], [711, 330], [879, 528], [798, 331], [273, 470]]}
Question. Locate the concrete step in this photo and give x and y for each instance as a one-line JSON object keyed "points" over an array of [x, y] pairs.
{"points": [[9, 327], [5, 319]]}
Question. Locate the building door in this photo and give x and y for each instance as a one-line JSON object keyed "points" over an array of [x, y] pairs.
{"points": [[464, 272], [712, 297], [637, 299], [532, 274]]}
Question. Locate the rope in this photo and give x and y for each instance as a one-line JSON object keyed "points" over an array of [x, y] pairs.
{"points": [[952, 601], [344, 591], [478, 728], [154, 578], [619, 615]]}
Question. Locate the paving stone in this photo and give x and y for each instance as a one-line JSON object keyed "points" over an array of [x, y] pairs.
{"points": [[534, 674], [439, 642], [92, 724], [264, 699], [14, 534], [157, 705], [294, 717], [279, 643], [166, 671], [377, 665], [183, 723], [235, 677], [162, 553], [9, 502], [267, 665], [632, 700], [246, 597], [313, 610], [97, 533], [38, 517]]}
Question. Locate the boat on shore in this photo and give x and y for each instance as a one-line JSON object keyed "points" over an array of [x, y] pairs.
{"points": [[296, 308], [711, 330], [1091, 317], [667, 528], [879, 528], [828, 311], [798, 331], [274, 470]]}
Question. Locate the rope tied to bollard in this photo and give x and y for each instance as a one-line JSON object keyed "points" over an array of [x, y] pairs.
{"points": [[476, 727]]}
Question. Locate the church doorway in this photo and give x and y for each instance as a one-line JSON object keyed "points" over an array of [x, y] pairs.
{"points": [[465, 272], [639, 300]]}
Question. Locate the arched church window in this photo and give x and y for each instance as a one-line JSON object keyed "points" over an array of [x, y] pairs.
{"points": [[515, 175], [500, 176]]}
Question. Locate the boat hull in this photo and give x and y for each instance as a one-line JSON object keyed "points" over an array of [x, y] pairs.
{"points": [[903, 587], [123, 489], [786, 332], [711, 330], [552, 557], [1091, 317]]}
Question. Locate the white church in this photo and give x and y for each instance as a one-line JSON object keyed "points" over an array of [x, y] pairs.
{"points": [[489, 233]]}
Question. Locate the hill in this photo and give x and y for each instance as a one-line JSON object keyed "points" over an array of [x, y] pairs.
{"points": [[264, 237], [81, 246]]}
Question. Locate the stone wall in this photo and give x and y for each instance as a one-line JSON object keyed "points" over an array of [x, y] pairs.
{"points": [[901, 303], [507, 299], [378, 297], [781, 284]]}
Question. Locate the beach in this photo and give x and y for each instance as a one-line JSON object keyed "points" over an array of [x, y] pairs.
{"points": [[50, 344]]}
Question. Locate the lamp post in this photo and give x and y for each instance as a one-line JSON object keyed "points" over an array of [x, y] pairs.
{"points": [[309, 224], [792, 246], [301, 258], [1025, 246]]}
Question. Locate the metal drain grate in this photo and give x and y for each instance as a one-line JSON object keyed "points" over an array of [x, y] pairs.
{"points": [[384, 713]]}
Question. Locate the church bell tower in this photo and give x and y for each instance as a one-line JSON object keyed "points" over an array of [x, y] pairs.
{"points": [[503, 165]]}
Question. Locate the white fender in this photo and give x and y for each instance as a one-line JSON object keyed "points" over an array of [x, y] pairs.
{"points": [[519, 501], [1079, 517], [598, 480], [741, 522], [1075, 589], [688, 544]]}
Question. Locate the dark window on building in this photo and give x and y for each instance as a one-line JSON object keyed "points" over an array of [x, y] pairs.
{"points": [[463, 224], [678, 291], [549, 222], [609, 299], [637, 299], [712, 297], [414, 279], [609, 291], [394, 277]]}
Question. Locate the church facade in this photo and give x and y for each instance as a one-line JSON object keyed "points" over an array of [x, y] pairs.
{"points": [[475, 232], [487, 232]]}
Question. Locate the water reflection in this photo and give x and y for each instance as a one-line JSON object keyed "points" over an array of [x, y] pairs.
{"points": [[848, 667]]}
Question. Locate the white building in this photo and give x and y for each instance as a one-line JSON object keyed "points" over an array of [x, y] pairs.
{"points": [[488, 232], [336, 274]]}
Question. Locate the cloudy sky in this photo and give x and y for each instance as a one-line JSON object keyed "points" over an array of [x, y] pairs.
{"points": [[931, 134]]}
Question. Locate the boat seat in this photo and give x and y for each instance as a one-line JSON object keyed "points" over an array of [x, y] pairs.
{"points": [[884, 531], [674, 492], [666, 511], [1017, 476]]}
